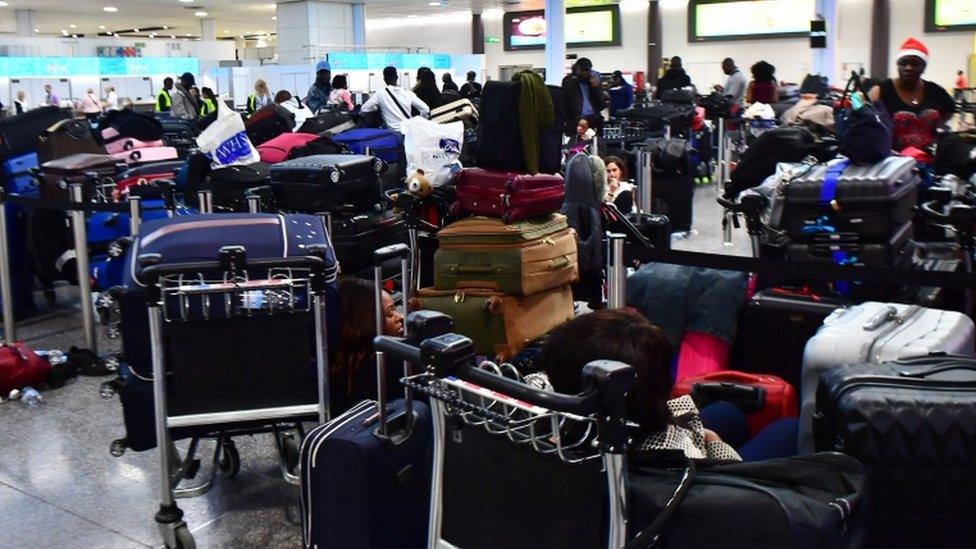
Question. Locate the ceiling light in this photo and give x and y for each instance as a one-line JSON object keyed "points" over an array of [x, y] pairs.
{"points": [[200, 13], [274, 17], [110, 9], [35, 30], [74, 36], [173, 36], [437, 4], [4, 4], [188, 34], [226, 31], [412, 15], [64, 31], [135, 30], [73, 26], [165, 27], [186, 1], [102, 27]]}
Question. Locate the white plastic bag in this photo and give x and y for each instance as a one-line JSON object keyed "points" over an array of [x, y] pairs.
{"points": [[434, 148], [225, 142], [300, 110]]}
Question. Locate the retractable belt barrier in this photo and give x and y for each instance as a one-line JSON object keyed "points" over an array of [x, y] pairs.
{"points": [[64, 205]]}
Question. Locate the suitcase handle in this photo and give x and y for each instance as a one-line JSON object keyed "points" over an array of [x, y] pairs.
{"points": [[748, 398], [475, 269], [884, 315], [402, 433], [959, 363]]}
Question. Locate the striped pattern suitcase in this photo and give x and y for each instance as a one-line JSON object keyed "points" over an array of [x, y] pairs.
{"points": [[462, 110]]}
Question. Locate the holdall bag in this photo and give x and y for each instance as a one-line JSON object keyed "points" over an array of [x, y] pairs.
{"points": [[382, 143], [58, 174], [655, 117], [327, 182], [356, 236], [229, 185], [279, 149], [874, 332], [508, 195], [269, 122], [18, 134], [21, 367], [69, 136], [150, 154], [863, 129], [763, 398], [323, 145], [327, 121], [129, 143], [462, 110], [911, 423], [499, 324], [499, 144], [791, 144], [126, 123], [522, 258], [679, 96]]}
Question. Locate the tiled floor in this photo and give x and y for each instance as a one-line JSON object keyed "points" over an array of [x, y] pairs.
{"points": [[60, 487]]}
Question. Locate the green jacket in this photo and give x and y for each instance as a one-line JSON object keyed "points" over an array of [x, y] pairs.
{"points": [[164, 103]]}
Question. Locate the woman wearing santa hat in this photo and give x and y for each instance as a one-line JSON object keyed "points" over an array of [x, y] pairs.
{"points": [[917, 107]]}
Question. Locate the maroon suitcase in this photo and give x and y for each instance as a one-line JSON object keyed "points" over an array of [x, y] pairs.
{"points": [[508, 195]]}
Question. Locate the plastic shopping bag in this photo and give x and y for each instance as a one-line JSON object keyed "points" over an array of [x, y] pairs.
{"points": [[434, 148], [225, 142]]}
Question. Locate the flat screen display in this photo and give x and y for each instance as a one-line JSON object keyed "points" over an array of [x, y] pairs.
{"points": [[585, 27], [950, 15], [740, 19]]}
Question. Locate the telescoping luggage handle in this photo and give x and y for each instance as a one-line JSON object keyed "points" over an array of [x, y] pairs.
{"points": [[381, 256]]}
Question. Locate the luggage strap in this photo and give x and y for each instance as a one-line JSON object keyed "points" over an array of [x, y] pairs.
{"points": [[828, 191], [397, 103]]}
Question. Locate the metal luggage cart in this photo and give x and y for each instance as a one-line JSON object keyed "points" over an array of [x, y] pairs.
{"points": [[516, 466], [237, 346]]}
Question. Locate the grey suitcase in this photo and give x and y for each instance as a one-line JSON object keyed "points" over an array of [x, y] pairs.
{"points": [[872, 333]]}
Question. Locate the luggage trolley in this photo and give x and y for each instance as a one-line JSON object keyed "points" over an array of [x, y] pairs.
{"points": [[216, 328]]}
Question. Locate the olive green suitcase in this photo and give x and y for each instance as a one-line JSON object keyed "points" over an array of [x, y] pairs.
{"points": [[499, 324], [522, 258]]}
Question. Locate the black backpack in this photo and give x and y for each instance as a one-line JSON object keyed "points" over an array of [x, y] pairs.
{"points": [[789, 144]]}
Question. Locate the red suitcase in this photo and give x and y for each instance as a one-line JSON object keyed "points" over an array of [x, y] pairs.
{"points": [[764, 398], [508, 195], [277, 149], [165, 169]]}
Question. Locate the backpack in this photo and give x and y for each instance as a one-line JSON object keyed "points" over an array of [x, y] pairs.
{"points": [[789, 144]]}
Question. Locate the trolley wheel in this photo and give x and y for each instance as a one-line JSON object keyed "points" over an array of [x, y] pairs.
{"points": [[291, 449], [118, 447], [184, 539], [51, 297], [230, 459]]}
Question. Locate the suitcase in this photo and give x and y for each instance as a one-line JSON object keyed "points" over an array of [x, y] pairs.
{"points": [[149, 171], [129, 143], [193, 175], [57, 175], [940, 257], [269, 122], [775, 327], [229, 184], [854, 249], [870, 201], [279, 149], [763, 398], [355, 237], [461, 110], [873, 333], [911, 423], [499, 145], [519, 259], [651, 230], [20, 367], [499, 324], [18, 134], [327, 182], [179, 132], [677, 193], [382, 143], [656, 117], [508, 195], [148, 154], [324, 121], [17, 179], [65, 137]]}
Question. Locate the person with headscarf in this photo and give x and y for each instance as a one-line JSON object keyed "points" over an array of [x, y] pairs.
{"points": [[183, 104], [321, 89], [449, 85], [426, 88], [586, 188]]}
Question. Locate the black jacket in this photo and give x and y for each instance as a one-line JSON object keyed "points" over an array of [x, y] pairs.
{"points": [[573, 104], [673, 79]]}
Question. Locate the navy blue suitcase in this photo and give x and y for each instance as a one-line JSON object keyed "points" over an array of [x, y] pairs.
{"points": [[17, 179]]}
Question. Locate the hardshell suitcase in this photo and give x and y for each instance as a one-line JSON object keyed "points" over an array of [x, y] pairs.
{"points": [[508, 195], [18, 134], [874, 332], [327, 121], [65, 137], [871, 201], [278, 149], [179, 133], [149, 171], [677, 192], [848, 247], [134, 157], [356, 237], [499, 324], [126, 123], [129, 143], [57, 175], [326, 182], [911, 423], [269, 122], [379, 142], [16, 178], [229, 184], [522, 258], [763, 398], [461, 110]]}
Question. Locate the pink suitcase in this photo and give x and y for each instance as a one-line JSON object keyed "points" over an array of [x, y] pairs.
{"points": [[277, 149], [508, 195], [149, 154], [128, 143]]}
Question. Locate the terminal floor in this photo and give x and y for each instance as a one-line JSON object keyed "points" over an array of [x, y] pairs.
{"points": [[60, 487]]}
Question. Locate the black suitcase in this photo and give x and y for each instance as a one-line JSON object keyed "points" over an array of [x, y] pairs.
{"points": [[65, 137], [895, 252], [269, 122], [656, 117], [911, 424], [943, 257], [677, 193], [774, 328], [229, 185], [355, 237], [870, 201], [177, 129], [329, 121], [650, 230], [327, 182], [18, 134]]}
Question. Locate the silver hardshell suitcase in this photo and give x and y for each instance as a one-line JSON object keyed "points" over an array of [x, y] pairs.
{"points": [[873, 333]]}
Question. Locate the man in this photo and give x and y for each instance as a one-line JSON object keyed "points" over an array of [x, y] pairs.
{"points": [[111, 102], [735, 84], [184, 105], [394, 102], [164, 101], [52, 99], [674, 78], [960, 87], [318, 93], [583, 97], [471, 89], [621, 93]]}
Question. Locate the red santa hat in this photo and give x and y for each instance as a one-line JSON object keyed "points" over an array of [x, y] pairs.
{"points": [[912, 46]]}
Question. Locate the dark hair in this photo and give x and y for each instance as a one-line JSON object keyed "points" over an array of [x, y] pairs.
{"points": [[339, 82], [618, 74], [763, 72], [624, 174], [168, 81], [207, 92], [621, 335], [472, 75], [728, 60], [426, 76], [675, 62], [584, 63], [390, 75], [282, 96], [357, 328]]}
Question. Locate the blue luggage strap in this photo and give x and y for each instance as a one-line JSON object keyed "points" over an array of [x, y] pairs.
{"points": [[828, 193]]}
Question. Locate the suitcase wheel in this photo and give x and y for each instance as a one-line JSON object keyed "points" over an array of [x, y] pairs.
{"points": [[230, 459]]}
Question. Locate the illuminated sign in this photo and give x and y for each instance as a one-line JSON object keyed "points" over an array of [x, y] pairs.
{"points": [[26, 67]]}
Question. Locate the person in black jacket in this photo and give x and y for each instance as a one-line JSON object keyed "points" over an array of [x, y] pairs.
{"points": [[471, 89], [449, 85], [426, 88], [674, 78], [583, 97]]}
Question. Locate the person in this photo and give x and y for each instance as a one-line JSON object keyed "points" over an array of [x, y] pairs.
{"points": [[393, 102], [735, 84], [449, 85], [583, 97], [91, 106], [195, 94], [260, 98], [208, 102], [282, 96], [111, 102], [51, 99], [471, 89], [621, 93], [674, 78], [20, 104], [619, 189], [318, 93], [184, 106], [426, 88], [164, 99], [916, 106], [961, 84], [340, 97], [762, 89], [353, 368]]}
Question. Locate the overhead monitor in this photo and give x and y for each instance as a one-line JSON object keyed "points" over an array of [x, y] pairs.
{"points": [[592, 26], [950, 15], [748, 19]]}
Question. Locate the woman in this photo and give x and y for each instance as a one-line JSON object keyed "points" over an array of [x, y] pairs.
{"points": [[426, 88], [21, 105], [111, 99], [353, 366], [449, 85], [340, 97], [762, 89], [208, 102], [619, 189], [916, 106], [91, 106]]}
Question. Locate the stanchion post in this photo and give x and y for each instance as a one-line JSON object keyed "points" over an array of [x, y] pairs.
{"points": [[135, 215], [595, 146], [6, 290], [253, 203], [205, 199], [720, 161], [616, 271], [81, 262], [645, 173]]}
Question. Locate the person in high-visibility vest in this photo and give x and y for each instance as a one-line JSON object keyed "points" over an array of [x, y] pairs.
{"points": [[260, 98], [208, 101], [164, 101]]}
